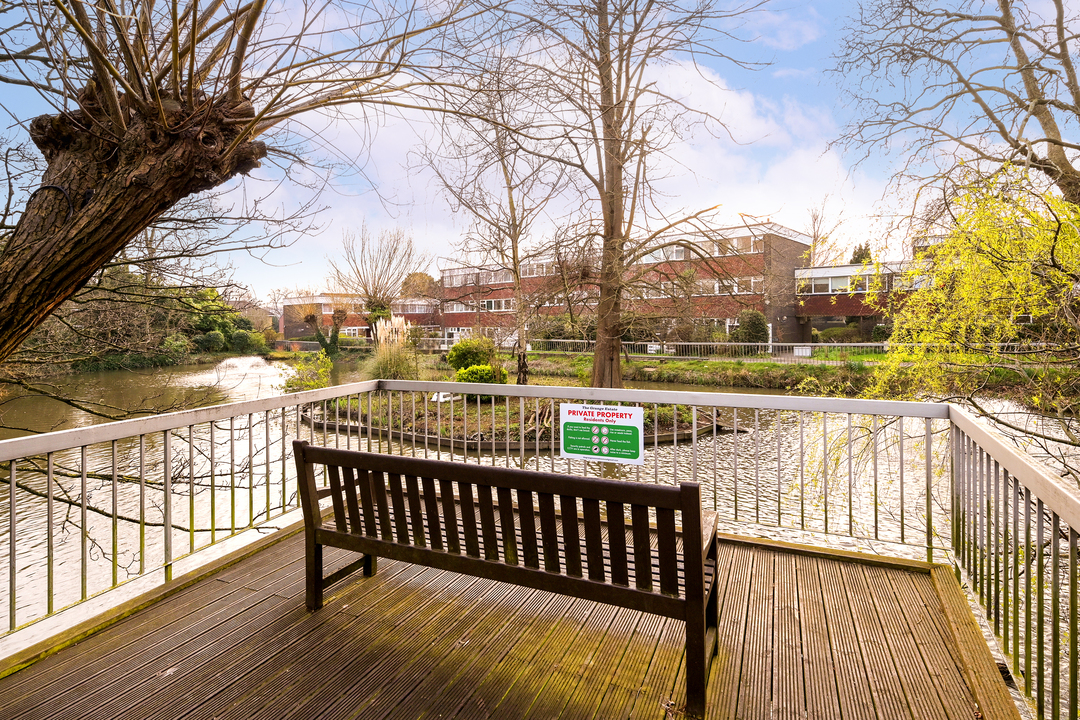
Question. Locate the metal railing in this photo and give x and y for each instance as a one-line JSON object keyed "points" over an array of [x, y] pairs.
{"points": [[1015, 534], [88, 509], [776, 352]]}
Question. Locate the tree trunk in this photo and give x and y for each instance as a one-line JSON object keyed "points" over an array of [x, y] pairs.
{"points": [[98, 192], [607, 370]]}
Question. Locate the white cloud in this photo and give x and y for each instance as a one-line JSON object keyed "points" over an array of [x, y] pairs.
{"points": [[786, 31]]}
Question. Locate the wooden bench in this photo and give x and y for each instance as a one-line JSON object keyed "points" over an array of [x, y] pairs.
{"points": [[503, 524]]}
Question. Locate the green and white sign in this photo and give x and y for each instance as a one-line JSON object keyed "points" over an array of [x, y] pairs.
{"points": [[609, 433]]}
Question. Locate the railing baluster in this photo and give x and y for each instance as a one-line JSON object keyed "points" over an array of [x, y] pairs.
{"points": [[49, 548], [874, 452], [850, 481], [1055, 621], [1074, 676], [825, 467], [929, 492], [84, 535], [1027, 592], [757, 466], [1040, 609], [166, 481], [142, 501], [12, 484], [900, 433], [802, 474]]}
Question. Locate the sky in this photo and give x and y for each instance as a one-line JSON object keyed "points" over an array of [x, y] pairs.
{"points": [[777, 165]]}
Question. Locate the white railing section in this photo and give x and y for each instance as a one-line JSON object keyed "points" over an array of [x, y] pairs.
{"points": [[1015, 536], [88, 509]]}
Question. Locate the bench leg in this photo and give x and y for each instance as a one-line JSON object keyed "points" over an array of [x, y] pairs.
{"points": [[697, 667], [371, 565], [314, 566]]}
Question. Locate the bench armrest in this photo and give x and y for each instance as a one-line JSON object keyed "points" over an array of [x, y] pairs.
{"points": [[708, 531]]}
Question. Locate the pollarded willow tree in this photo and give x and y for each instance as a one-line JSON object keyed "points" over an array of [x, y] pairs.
{"points": [[956, 84], [599, 70], [153, 102]]}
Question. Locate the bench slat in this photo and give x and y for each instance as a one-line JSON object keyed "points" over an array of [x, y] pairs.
{"points": [[431, 504], [378, 482], [571, 540], [617, 543], [397, 499], [549, 532], [450, 518], [594, 540], [639, 518], [416, 513], [468, 519], [349, 479], [335, 495], [665, 539], [364, 483], [487, 522], [527, 520], [506, 522]]}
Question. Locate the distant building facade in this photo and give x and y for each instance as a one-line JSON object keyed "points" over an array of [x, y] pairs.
{"points": [[745, 266]]}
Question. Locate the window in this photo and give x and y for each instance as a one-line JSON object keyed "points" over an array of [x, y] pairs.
{"points": [[857, 283], [457, 307], [499, 305], [749, 285], [821, 285]]}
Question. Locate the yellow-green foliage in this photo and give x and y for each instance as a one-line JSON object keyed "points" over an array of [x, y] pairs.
{"points": [[1011, 256], [311, 371]]}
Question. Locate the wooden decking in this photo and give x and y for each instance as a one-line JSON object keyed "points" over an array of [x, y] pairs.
{"points": [[802, 635]]}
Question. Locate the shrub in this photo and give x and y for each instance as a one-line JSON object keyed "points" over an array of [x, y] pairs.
{"points": [[176, 346], [212, 341], [247, 342], [481, 374], [753, 328], [881, 333], [311, 371], [847, 334], [815, 335], [471, 352]]}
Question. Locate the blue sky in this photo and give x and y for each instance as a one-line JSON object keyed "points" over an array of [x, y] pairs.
{"points": [[782, 116]]}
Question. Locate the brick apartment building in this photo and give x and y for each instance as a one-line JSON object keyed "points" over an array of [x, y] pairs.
{"points": [[761, 267], [748, 266], [833, 294]]}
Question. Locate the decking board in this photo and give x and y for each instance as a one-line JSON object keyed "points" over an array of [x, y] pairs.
{"points": [[802, 635]]}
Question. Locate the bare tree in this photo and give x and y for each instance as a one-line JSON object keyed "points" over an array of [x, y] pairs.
{"points": [[969, 84], [504, 191], [374, 267], [822, 227], [592, 65], [155, 102]]}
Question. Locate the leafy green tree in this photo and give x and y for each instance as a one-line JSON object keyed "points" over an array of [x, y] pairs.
{"points": [[753, 328], [997, 310], [311, 371], [861, 254]]}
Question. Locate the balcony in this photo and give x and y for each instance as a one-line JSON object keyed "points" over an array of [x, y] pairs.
{"points": [[845, 524]]}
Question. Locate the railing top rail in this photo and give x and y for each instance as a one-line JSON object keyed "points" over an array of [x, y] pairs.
{"points": [[106, 432], [1061, 499], [672, 397]]}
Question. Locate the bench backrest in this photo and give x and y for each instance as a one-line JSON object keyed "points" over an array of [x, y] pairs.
{"points": [[515, 517]]}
